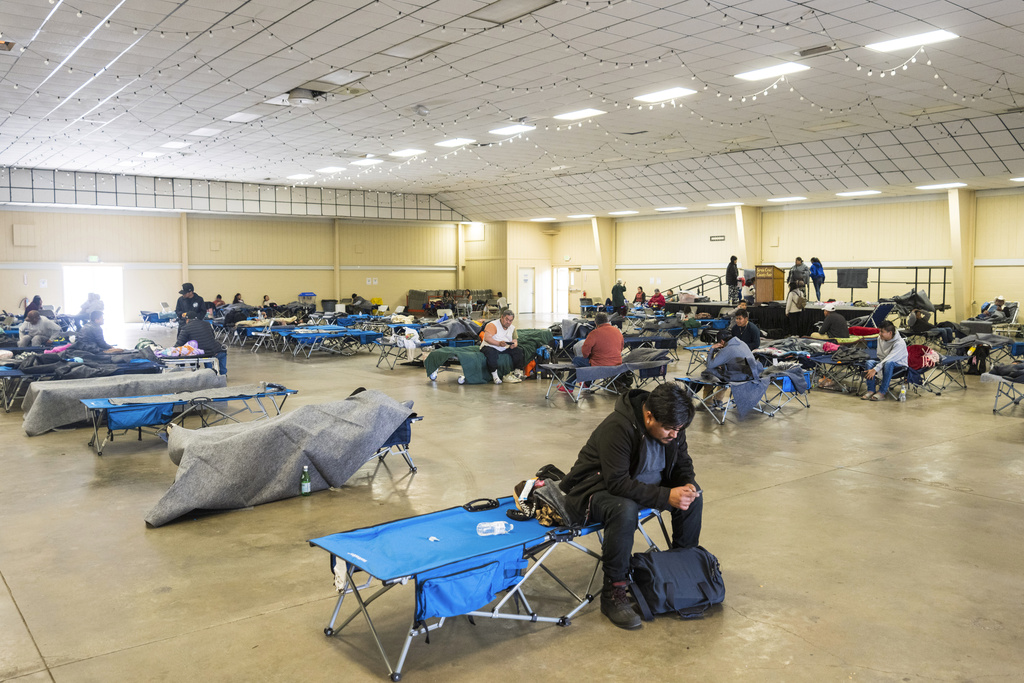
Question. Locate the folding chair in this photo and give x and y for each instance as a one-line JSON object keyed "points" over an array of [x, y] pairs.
{"points": [[399, 442], [1008, 392], [698, 357], [264, 336], [948, 372]]}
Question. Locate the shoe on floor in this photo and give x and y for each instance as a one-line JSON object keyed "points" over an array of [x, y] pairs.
{"points": [[512, 379], [616, 606], [867, 396], [879, 396], [497, 380], [433, 376]]}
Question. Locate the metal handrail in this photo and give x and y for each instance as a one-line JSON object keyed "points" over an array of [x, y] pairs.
{"points": [[703, 283]]}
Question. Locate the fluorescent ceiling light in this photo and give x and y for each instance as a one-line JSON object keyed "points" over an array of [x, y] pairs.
{"points": [[504, 11], [454, 142], [912, 41], [205, 132], [512, 130], [723, 204], [621, 213], [406, 152], [787, 199], [414, 47], [1017, 180], [242, 117], [342, 77], [367, 162], [577, 115], [664, 95], [772, 71], [300, 176], [153, 155], [542, 220], [857, 193], [941, 186], [672, 208], [590, 215], [330, 169], [175, 145]]}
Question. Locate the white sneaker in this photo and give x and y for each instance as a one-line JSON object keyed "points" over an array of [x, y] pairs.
{"points": [[497, 380], [512, 379]]}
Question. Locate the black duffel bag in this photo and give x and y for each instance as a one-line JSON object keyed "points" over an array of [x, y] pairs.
{"points": [[686, 581]]}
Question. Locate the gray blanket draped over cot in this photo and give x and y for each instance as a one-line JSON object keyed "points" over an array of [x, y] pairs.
{"points": [[49, 405], [238, 465], [735, 363]]}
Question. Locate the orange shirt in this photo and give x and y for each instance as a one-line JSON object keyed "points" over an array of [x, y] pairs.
{"points": [[604, 345]]}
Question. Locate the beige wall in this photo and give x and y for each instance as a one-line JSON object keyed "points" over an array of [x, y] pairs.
{"points": [[1000, 236], [244, 241], [677, 240], [889, 231], [528, 247], [487, 258]]}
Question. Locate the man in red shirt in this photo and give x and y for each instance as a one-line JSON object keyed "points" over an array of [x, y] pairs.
{"points": [[603, 346], [657, 300]]}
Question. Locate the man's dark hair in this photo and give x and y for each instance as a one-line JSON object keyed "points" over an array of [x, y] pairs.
{"points": [[600, 318], [732, 259], [799, 259], [95, 315], [888, 327], [670, 405], [742, 313]]}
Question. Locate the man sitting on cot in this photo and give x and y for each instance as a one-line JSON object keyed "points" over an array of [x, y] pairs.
{"points": [[602, 347], [834, 326], [636, 458], [500, 337], [743, 329], [892, 353], [36, 330], [201, 332]]}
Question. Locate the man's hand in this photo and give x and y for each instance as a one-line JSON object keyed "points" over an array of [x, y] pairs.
{"points": [[718, 345], [514, 344], [870, 374], [681, 496]]}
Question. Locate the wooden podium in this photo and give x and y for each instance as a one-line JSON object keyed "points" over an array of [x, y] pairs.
{"points": [[770, 284]]}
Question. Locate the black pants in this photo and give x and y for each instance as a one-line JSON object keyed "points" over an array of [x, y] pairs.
{"points": [[619, 516], [793, 323], [492, 354]]}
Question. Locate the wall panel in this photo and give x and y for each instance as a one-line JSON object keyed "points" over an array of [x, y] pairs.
{"points": [[378, 244], [676, 240], [1000, 227], [575, 241], [249, 241]]}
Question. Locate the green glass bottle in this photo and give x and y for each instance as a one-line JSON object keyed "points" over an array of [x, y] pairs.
{"points": [[304, 482]]}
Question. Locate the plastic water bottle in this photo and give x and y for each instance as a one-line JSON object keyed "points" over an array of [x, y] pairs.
{"points": [[903, 393], [493, 528], [305, 486]]}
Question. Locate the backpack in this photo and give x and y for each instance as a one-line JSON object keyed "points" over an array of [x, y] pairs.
{"points": [[544, 500], [686, 581]]}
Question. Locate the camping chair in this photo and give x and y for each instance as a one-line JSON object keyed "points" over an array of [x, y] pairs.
{"points": [[442, 312], [464, 307]]}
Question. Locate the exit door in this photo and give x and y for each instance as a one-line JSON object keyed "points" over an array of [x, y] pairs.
{"points": [[526, 293]]}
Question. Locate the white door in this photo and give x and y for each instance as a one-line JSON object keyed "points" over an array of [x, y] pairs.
{"points": [[526, 290], [562, 291]]}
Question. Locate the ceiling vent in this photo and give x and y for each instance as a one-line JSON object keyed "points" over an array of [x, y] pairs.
{"points": [[814, 51]]}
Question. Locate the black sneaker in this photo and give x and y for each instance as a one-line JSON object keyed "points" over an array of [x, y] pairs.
{"points": [[616, 606]]}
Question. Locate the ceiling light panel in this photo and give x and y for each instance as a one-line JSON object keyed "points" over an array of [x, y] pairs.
{"points": [[672, 208], [330, 169], [367, 162], [242, 117], [205, 132], [512, 130], [783, 69], [300, 176], [912, 41], [577, 115], [504, 11], [786, 199], [406, 152], [941, 186], [664, 95], [454, 142], [622, 213], [857, 193], [176, 144], [590, 215]]}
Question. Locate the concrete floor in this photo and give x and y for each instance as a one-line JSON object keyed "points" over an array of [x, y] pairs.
{"points": [[859, 541]]}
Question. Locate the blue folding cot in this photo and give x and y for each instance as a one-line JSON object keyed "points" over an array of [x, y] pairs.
{"points": [[124, 415], [455, 571]]}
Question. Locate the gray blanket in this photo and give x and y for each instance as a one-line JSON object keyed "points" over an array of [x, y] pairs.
{"points": [[238, 465], [49, 405]]}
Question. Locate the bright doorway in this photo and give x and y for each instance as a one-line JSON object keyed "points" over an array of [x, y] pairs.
{"points": [[108, 282]]}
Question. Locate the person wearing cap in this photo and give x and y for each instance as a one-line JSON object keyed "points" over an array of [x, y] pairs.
{"points": [[190, 305], [619, 296], [994, 312], [834, 325]]}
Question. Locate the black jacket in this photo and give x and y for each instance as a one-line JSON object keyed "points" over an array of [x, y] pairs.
{"points": [[611, 456], [192, 308], [732, 275], [90, 338], [202, 332]]}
